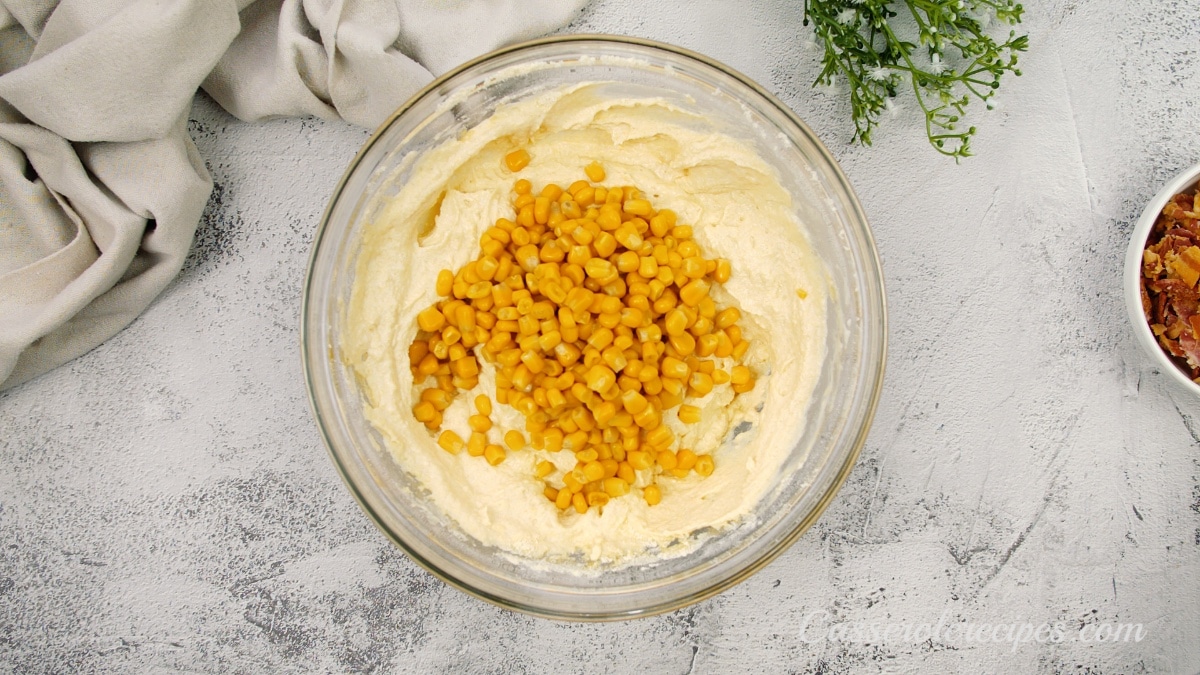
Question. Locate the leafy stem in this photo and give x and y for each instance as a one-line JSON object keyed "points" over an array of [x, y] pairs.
{"points": [[862, 42]]}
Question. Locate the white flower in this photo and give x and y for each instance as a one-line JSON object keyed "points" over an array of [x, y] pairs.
{"points": [[936, 67], [878, 74], [845, 16]]}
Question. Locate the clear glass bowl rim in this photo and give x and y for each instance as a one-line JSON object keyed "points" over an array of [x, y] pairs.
{"points": [[873, 271]]}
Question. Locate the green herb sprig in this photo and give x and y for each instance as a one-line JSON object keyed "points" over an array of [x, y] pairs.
{"points": [[961, 60]]}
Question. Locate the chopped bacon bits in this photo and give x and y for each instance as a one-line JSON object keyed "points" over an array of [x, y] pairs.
{"points": [[1170, 274]]}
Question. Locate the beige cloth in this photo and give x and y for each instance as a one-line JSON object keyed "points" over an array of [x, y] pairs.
{"points": [[100, 186]]}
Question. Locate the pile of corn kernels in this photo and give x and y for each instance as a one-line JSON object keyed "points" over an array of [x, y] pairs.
{"points": [[594, 308]]}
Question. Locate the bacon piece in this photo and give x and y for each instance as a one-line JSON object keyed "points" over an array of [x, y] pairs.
{"points": [[1190, 346], [1172, 347], [1170, 288]]}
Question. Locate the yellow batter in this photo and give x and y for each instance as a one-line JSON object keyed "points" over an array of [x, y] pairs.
{"points": [[738, 211]]}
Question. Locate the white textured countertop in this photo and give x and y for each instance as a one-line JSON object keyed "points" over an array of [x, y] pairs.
{"points": [[166, 503]]}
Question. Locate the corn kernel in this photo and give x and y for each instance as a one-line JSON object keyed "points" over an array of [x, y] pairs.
{"points": [[701, 383], [615, 358], [624, 470], [676, 322], [647, 267], [476, 444], [431, 320], [480, 423], [477, 291], [465, 314], [660, 437], [563, 500], [638, 207], [728, 317], [593, 471], [450, 442], [429, 364], [516, 160], [615, 487], [722, 272], [465, 367], [609, 465], [424, 411], [445, 282], [639, 460], [576, 440], [693, 267], [632, 317], [533, 361], [743, 388], [605, 244], [514, 440], [704, 465], [494, 454], [683, 343], [464, 382], [627, 262], [548, 341], [567, 354], [648, 418], [689, 414], [706, 345], [667, 460], [579, 502], [544, 469], [739, 375], [633, 402], [604, 412], [600, 269], [685, 459], [483, 404], [437, 397], [595, 172], [673, 368], [652, 494], [541, 210], [600, 378], [739, 350], [693, 292]]}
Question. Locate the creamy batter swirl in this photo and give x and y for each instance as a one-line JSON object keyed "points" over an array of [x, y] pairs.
{"points": [[738, 210]]}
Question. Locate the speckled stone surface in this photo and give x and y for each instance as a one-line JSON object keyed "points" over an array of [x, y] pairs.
{"points": [[166, 503]]}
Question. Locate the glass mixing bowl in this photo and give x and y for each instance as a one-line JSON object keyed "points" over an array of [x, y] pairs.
{"points": [[835, 424]]}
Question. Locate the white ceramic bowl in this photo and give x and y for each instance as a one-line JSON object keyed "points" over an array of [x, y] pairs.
{"points": [[1186, 180]]}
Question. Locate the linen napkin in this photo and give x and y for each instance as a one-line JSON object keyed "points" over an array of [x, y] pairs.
{"points": [[101, 188]]}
